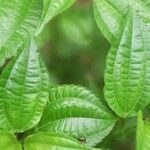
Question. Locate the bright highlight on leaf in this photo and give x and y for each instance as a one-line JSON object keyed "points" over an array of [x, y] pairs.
{"points": [[110, 15], [75, 110], [23, 90], [18, 20], [143, 133]]}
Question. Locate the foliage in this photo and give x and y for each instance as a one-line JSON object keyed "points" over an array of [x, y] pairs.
{"points": [[143, 133], [36, 113]]}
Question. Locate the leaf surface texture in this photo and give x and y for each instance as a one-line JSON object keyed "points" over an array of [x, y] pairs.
{"points": [[127, 76], [23, 90], [76, 111], [110, 15], [18, 20]]}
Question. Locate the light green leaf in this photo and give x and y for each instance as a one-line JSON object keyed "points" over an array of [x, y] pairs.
{"points": [[51, 9], [75, 110], [110, 15], [18, 19], [8, 141], [53, 141], [143, 133], [23, 90], [127, 76]]}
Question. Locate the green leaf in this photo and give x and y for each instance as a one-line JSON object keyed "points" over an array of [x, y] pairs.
{"points": [[76, 111], [128, 67], [53, 141], [18, 20], [23, 90], [143, 133], [111, 14], [51, 9], [8, 141]]}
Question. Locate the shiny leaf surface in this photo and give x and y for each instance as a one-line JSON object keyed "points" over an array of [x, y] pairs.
{"points": [[110, 15], [75, 110], [127, 77], [23, 90], [18, 20]]}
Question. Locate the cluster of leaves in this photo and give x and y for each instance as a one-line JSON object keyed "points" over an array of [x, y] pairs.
{"points": [[34, 115], [126, 25]]}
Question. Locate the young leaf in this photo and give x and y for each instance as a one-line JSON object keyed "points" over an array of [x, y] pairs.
{"points": [[18, 19], [51, 9], [143, 133], [23, 90], [53, 141], [128, 67], [75, 110], [8, 141]]}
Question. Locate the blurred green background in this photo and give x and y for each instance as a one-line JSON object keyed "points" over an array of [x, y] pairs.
{"points": [[75, 53], [74, 49]]}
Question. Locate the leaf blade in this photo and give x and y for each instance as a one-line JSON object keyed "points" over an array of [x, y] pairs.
{"points": [[53, 141], [143, 133], [77, 112], [127, 73], [18, 20], [23, 86], [111, 14], [51, 9], [8, 141]]}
